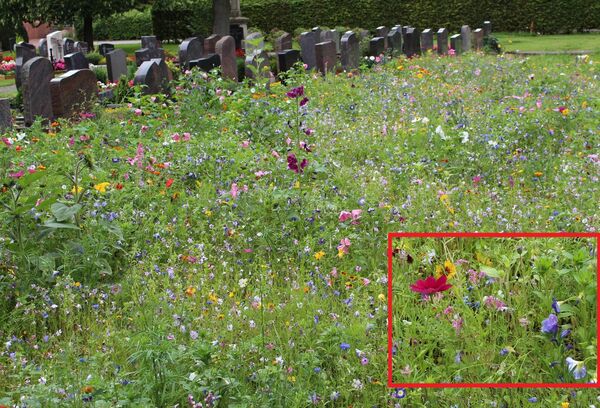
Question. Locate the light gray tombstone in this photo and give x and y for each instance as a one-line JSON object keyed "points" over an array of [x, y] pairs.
{"points": [[75, 61], [73, 92], [225, 49], [456, 43], [383, 31], [478, 39], [487, 28], [307, 48], [116, 64], [149, 75], [376, 46], [210, 43], [37, 99], [331, 35], [254, 43], [350, 49], [43, 47], [394, 38], [23, 54], [105, 48], [5, 115], [82, 46], [190, 49], [55, 49], [68, 46], [426, 40], [258, 62], [286, 59], [326, 56], [465, 33], [150, 42], [442, 41], [283, 42]]}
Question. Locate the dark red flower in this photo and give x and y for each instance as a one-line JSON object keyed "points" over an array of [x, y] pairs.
{"points": [[296, 92], [430, 285], [293, 163]]}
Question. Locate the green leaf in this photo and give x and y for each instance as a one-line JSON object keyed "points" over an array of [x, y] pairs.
{"points": [[492, 272], [63, 212], [60, 225], [30, 178]]}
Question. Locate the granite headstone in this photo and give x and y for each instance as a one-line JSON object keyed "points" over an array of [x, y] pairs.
{"points": [[456, 43], [73, 92], [225, 49], [210, 43], [23, 54], [283, 42], [394, 38], [307, 47], [206, 64], [35, 87], [442, 41], [478, 39], [116, 64], [190, 49], [326, 56], [75, 61], [350, 50], [465, 33], [149, 75], [286, 59], [426, 40], [376, 46], [105, 48]]}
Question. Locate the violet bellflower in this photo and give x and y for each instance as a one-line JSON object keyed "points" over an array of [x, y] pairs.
{"points": [[550, 325]]}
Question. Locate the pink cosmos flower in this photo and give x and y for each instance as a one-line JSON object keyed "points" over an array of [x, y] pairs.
{"points": [[234, 190], [245, 144]]}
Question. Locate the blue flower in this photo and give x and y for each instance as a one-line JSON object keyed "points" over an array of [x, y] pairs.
{"points": [[555, 306], [345, 346], [533, 399], [399, 393], [550, 325], [577, 368]]}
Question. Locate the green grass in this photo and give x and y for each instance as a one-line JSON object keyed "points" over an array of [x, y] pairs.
{"points": [[6, 82], [130, 49], [532, 42]]}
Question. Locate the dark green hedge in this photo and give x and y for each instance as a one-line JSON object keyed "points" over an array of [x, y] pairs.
{"points": [[179, 19], [130, 25]]}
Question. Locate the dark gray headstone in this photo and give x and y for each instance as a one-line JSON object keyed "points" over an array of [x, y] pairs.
{"points": [[207, 63], [254, 43], [43, 47], [149, 75], [225, 49], [442, 41], [394, 38], [331, 35], [326, 56], [307, 47], [142, 56], [116, 64], [286, 59], [478, 39], [190, 49], [210, 44], [150, 42], [465, 33], [260, 62], [383, 31], [487, 28], [82, 46], [317, 30], [5, 115], [456, 43], [411, 42], [75, 61], [283, 42], [26, 44], [166, 75], [37, 99], [68, 46], [376, 46], [426, 40], [73, 92], [105, 48], [350, 49], [24, 54]]}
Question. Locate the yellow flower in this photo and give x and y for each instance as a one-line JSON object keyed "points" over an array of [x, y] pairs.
{"points": [[190, 291], [297, 184], [77, 190], [564, 404], [341, 253], [381, 297], [538, 174], [292, 379], [319, 255], [101, 187], [565, 112], [77, 284], [449, 269]]}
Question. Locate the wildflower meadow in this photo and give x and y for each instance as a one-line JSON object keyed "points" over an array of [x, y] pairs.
{"points": [[226, 245]]}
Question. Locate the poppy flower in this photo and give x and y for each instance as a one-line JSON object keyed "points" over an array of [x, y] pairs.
{"points": [[430, 285]]}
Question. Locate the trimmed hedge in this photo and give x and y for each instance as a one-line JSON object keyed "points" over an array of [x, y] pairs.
{"points": [[130, 25], [177, 20]]}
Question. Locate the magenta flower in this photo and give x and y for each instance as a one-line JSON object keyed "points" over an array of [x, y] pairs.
{"points": [[430, 285], [304, 101], [293, 163], [296, 92]]}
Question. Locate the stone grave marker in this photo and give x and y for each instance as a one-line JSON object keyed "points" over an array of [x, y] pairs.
{"points": [[350, 49], [116, 64], [105, 48], [43, 47], [258, 61], [190, 49], [165, 73], [283, 42], [82, 46], [404, 28], [5, 115], [55, 48], [225, 49], [210, 44], [35, 87], [73, 92], [150, 42], [478, 39], [465, 33], [286, 59], [426, 40], [254, 43], [75, 61], [68, 46], [206, 63], [317, 30], [141, 56], [394, 38], [383, 31], [150, 75], [326, 56], [442, 41], [26, 44], [487, 28], [456, 43], [307, 47], [376, 46], [23, 54], [331, 35], [412, 42]]}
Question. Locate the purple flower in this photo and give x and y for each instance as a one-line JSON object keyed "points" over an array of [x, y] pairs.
{"points": [[345, 346], [293, 163], [304, 101], [533, 399], [565, 333], [504, 352], [296, 92], [550, 325], [555, 306], [399, 393], [577, 368]]}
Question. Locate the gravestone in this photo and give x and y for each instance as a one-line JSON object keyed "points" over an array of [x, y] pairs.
{"points": [[116, 64], [411, 42], [73, 92], [68, 46], [43, 47], [150, 42], [478, 39], [225, 49], [165, 73], [142, 56], [456, 43], [258, 61], [149, 75], [23, 54], [426, 40], [82, 46], [286, 59], [350, 49], [394, 38], [254, 43], [331, 35], [210, 43], [5, 115], [317, 30], [465, 33], [376, 46], [55, 49], [207, 63], [487, 28], [442, 41], [190, 49], [105, 48], [237, 32], [283, 42], [383, 31], [326, 56], [75, 61], [35, 87], [307, 48], [27, 45]]}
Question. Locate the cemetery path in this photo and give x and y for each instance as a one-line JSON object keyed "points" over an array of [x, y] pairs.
{"points": [[8, 89]]}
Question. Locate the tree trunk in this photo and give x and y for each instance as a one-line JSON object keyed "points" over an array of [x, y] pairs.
{"points": [[221, 14], [88, 31]]}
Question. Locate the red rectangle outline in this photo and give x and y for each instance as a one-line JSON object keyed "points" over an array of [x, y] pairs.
{"points": [[392, 235]]}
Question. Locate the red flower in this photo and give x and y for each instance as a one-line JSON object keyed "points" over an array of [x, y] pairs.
{"points": [[169, 182], [430, 285]]}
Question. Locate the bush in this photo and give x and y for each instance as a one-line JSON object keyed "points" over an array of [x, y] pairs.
{"points": [[94, 58], [130, 25], [101, 74]]}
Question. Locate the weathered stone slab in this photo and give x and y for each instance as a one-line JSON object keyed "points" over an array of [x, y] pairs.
{"points": [[165, 74], [206, 64], [68, 46], [150, 42], [146, 54], [326, 56], [456, 43], [116, 64], [149, 75], [394, 38], [73, 92], [331, 35], [105, 48], [478, 39], [23, 54], [376, 46], [286, 59], [82, 46], [75, 61], [465, 33], [254, 43], [190, 49], [37, 99], [411, 42], [350, 49], [225, 49], [259, 62], [307, 47], [487, 28], [317, 30], [5, 115], [283, 42], [427, 40], [383, 31], [210, 44], [442, 41]]}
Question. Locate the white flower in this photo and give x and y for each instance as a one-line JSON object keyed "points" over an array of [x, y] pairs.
{"points": [[425, 120], [464, 137], [440, 131], [243, 283], [357, 384]]}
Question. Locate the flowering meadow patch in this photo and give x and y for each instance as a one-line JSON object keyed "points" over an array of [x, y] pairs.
{"points": [[225, 246]]}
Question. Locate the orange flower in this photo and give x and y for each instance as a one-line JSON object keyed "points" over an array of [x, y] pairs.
{"points": [[88, 389], [190, 291]]}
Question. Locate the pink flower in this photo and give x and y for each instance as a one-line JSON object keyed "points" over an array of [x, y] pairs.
{"points": [[451, 51], [344, 245], [7, 141], [245, 143], [538, 104], [275, 154], [293, 163], [138, 112], [344, 215], [476, 179], [186, 137], [17, 175], [234, 190]]}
